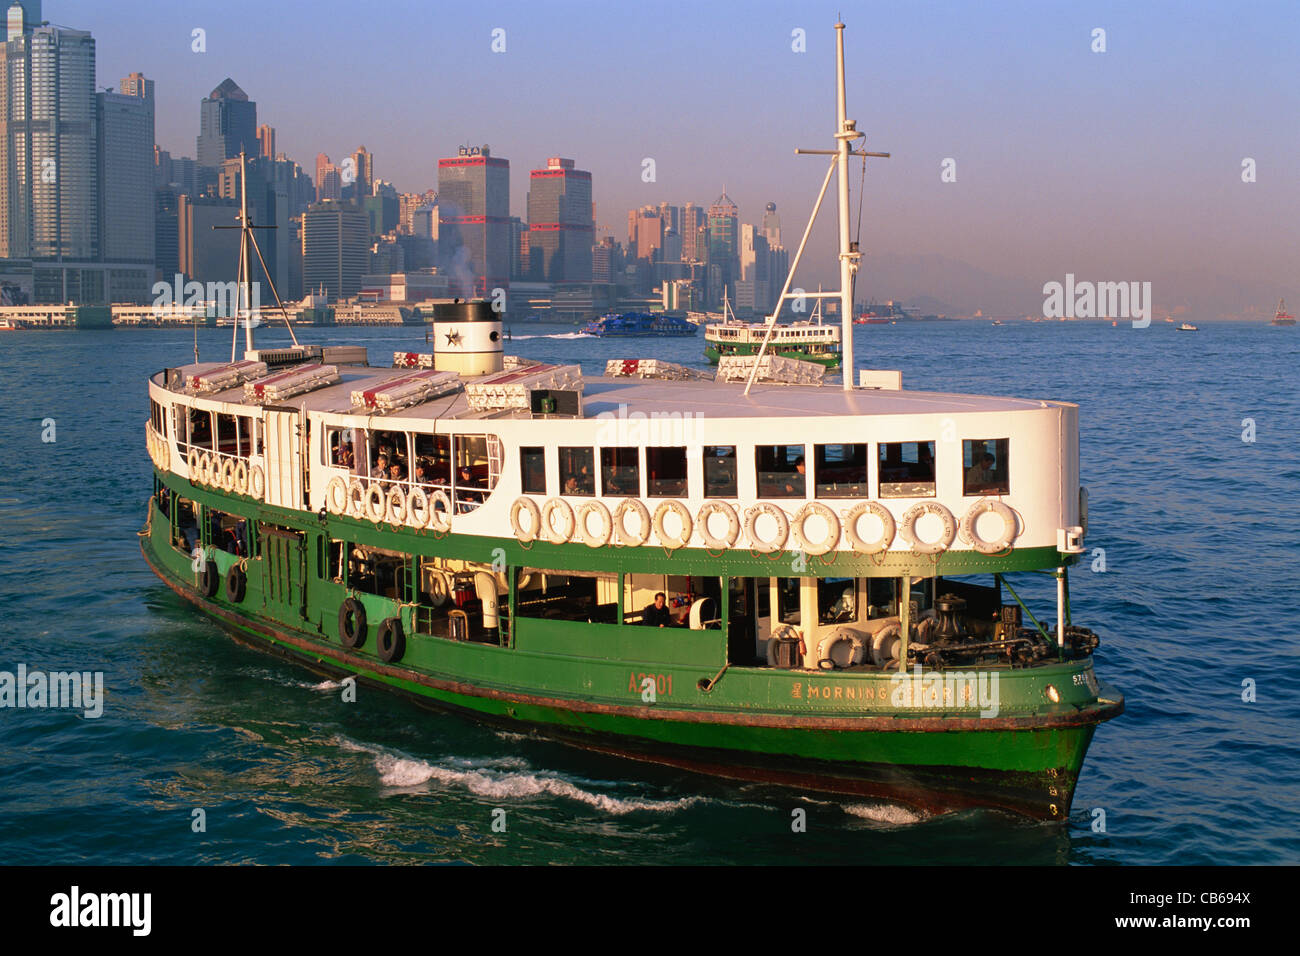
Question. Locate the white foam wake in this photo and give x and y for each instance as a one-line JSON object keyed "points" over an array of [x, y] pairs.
{"points": [[890, 813]]}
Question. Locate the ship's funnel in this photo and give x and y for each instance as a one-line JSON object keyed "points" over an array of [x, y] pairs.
{"points": [[467, 337]]}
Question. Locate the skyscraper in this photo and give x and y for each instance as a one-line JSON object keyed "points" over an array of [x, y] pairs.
{"points": [[227, 125], [693, 223], [266, 141], [125, 171], [364, 169], [474, 221], [560, 226], [771, 226], [724, 219], [335, 248]]}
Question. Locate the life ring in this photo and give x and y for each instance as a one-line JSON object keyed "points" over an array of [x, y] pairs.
{"points": [[683, 515], [209, 579], [826, 650], [832, 528], [439, 521], [888, 528], [236, 584], [256, 481], [915, 513], [228, 475], [356, 498], [707, 511], [970, 525], [241, 477], [438, 589], [395, 505], [390, 642], [601, 538], [205, 467], [375, 503], [782, 527], [534, 528], [192, 464], [352, 623], [645, 527], [417, 508], [336, 496], [885, 644], [566, 520]]}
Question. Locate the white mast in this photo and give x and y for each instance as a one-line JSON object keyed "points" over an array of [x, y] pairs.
{"points": [[244, 264], [849, 254]]}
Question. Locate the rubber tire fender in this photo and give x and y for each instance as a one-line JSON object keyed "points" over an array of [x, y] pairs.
{"points": [[236, 584], [352, 610], [390, 640]]}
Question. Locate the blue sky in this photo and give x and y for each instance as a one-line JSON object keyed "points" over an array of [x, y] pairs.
{"points": [[1117, 165]]}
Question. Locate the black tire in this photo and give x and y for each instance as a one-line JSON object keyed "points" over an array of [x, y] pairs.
{"points": [[352, 623], [390, 640], [209, 579], [236, 584]]}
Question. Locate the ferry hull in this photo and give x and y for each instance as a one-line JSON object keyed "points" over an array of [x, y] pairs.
{"points": [[1023, 764], [712, 353]]}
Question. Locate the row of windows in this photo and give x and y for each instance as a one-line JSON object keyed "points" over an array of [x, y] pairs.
{"points": [[905, 470]]}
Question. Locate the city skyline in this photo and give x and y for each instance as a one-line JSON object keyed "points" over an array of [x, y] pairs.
{"points": [[1123, 164]]}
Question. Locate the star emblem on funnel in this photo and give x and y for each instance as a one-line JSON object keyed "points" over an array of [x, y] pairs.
{"points": [[453, 338]]}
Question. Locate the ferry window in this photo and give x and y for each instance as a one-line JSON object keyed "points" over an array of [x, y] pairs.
{"points": [[532, 469], [339, 448], [157, 417], [245, 427], [720, 471], [840, 471], [227, 532], [472, 479], [459, 605], [577, 472], [984, 467], [665, 472], [567, 595], [227, 434], [200, 428], [836, 600], [432, 460], [781, 471], [907, 469], [620, 472], [185, 529], [389, 448], [377, 571], [787, 600]]}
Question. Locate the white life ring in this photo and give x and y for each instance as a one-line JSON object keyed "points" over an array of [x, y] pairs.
{"points": [[885, 644], [644, 528], [567, 522], [417, 508], [228, 475], [970, 524], [832, 528], [707, 511], [395, 505], [356, 498], [205, 468], [529, 534], [600, 538], [438, 589], [192, 463], [439, 521], [256, 481], [376, 501], [336, 495], [888, 528], [915, 513], [782, 527], [826, 649], [241, 477], [683, 515]]}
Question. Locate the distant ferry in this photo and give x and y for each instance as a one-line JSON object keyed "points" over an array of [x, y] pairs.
{"points": [[807, 340], [637, 324], [1282, 317]]}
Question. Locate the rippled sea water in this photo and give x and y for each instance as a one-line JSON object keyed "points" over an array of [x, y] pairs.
{"points": [[1200, 531]]}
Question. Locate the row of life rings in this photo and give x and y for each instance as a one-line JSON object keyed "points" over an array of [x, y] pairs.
{"points": [[416, 508], [160, 452], [229, 474], [592, 523]]}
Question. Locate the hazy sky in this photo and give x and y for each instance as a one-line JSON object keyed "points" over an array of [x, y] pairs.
{"points": [[1119, 165]]}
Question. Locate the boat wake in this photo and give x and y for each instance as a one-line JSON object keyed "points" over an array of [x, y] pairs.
{"points": [[891, 814], [500, 778], [553, 335]]}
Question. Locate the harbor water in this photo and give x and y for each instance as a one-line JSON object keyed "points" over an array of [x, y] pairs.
{"points": [[1191, 454]]}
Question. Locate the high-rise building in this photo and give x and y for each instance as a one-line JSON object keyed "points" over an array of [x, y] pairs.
{"points": [[227, 125], [205, 253], [266, 141], [645, 233], [724, 221], [474, 221], [125, 172], [560, 227], [692, 226], [753, 286], [364, 171], [335, 248], [771, 226], [166, 232]]}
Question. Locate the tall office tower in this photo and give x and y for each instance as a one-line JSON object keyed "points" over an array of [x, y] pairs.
{"points": [[297, 185], [693, 221], [771, 226], [724, 220], [474, 221], [204, 253], [162, 167], [364, 170], [266, 141], [137, 85], [322, 161], [166, 235], [125, 171], [672, 217], [606, 260], [329, 183], [335, 248], [645, 233], [753, 286], [560, 228], [227, 124]]}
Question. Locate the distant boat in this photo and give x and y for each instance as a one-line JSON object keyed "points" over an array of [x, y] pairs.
{"points": [[1187, 327], [1282, 317], [638, 324], [997, 321]]}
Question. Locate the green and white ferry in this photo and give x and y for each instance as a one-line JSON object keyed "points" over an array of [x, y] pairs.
{"points": [[807, 585]]}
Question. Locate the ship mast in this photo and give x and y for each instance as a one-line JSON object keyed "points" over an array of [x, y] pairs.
{"points": [[846, 131]]}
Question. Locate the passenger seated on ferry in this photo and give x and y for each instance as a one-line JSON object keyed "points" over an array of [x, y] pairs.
{"points": [[467, 497], [423, 472], [923, 470], [980, 475], [657, 614], [396, 472], [381, 466], [344, 456], [794, 484]]}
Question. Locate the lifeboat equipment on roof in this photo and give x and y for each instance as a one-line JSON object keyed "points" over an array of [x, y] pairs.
{"points": [[395, 393], [224, 376], [277, 388]]}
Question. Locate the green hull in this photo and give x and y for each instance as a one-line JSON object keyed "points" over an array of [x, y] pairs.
{"points": [[712, 353], [836, 732]]}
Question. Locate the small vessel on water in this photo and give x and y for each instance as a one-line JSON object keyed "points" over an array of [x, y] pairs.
{"points": [[638, 324], [808, 340], [761, 579], [1282, 316], [1186, 327]]}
